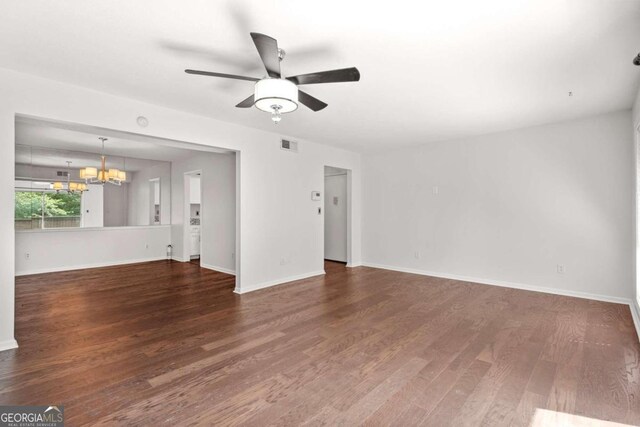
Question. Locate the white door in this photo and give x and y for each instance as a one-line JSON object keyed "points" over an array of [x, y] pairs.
{"points": [[93, 206], [335, 218]]}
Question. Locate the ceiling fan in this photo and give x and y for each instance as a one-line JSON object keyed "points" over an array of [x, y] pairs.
{"points": [[277, 95]]}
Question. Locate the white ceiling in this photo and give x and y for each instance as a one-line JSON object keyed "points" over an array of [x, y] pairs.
{"points": [[431, 70], [53, 144]]}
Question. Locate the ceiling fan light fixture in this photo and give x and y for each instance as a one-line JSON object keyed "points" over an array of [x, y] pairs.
{"points": [[276, 96], [275, 116]]}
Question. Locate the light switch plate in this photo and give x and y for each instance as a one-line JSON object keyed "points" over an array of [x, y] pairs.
{"points": [[315, 195]]}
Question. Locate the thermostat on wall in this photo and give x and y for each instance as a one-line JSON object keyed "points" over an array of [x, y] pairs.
{"points": [[315, 195]]}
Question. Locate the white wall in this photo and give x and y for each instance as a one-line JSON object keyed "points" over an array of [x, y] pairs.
{"points": [[70, 249], [636, 130], [335, 217], [217, 209], [510, 207], [140, 194], [44, 173], [636, 109], [115, 204], [277, 219]]}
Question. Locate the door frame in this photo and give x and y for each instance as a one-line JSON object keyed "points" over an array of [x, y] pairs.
{"points": [[636, 222], [186, 218], [349, 174]]}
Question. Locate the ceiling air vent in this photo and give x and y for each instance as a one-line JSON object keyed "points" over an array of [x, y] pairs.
{"points": [[285, 144], [62, 173]]}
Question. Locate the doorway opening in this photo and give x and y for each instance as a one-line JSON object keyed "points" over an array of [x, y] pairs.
{"points": [[337, 215], [209, 209], [193, 214], [154, 201]]}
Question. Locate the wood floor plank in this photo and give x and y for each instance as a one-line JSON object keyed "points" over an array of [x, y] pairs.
{"points": [[447, 408], [168, 343], [211, 360], [375, 398]]}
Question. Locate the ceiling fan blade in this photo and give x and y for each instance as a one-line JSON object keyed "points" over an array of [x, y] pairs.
{"points": [[216, 56], [332, 76], [313, 103], [246, 103], [226, 76], [268, 51]]}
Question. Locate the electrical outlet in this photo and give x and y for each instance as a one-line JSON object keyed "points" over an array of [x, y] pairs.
{"points": [[27, 256], [435, 190], [560, 269], [416, 254]]}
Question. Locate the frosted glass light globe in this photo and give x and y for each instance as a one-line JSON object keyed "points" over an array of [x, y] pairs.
{"points": [[279, 93]]}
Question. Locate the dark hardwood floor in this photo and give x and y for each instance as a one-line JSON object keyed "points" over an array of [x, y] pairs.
{"points": [[167, 343]]}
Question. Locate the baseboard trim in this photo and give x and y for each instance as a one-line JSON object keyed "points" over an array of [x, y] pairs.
{"points": [[92, 265], [178, 259], [8, 345], [276, 282], [218, 269], [504, 284]]}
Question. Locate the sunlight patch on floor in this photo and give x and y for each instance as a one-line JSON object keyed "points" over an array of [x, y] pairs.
{"points": [[547, 418]]}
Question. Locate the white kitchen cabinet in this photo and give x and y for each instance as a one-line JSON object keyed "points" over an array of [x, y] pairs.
{"points": [[194, 190], [195, 241]]}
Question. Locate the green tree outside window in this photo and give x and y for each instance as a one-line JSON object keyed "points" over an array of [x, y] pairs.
{"points": [[32, 204]]}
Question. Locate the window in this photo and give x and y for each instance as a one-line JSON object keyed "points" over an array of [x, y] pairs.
{"points": [[45, 209]]}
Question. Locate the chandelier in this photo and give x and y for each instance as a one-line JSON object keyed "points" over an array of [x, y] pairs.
{"points": [[94, 176], [72, 187]]}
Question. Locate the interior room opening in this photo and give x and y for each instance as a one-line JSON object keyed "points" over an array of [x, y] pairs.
{"points": [[193, 211], [88, 197]]}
